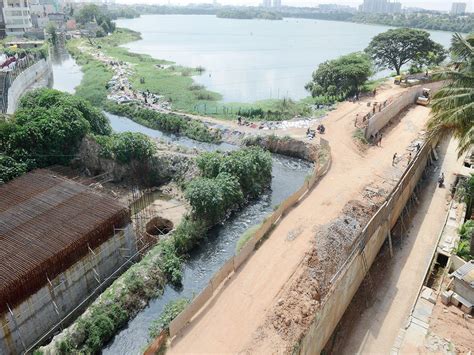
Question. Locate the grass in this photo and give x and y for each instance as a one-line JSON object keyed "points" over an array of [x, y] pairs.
{"points": [[244, 238], [173, 81], [360, 136]]}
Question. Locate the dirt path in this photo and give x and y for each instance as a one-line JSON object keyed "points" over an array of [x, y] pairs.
{"points": [[374, 330], [230, 320]]}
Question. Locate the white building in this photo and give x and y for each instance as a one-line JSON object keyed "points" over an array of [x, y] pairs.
{"points": [[458, 8], [380, 7], [17, 16], [276, 3], [267, 3]]}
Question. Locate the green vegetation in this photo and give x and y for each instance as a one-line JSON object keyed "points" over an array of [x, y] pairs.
{"points": [[166, 122], [244, 238], [49, 126], [429, 20], [170, 312], [126, 146], [93, 13], [249, 13], [464, 249], [359, 135], [394, 48], [96, 75], [342, 77], [453, 105], [226, 181]]}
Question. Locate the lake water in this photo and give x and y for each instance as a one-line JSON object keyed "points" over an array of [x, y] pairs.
{"points": [[250, 60]]}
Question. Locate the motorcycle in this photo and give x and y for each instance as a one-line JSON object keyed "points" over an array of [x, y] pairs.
{"points": [[441, 180]]}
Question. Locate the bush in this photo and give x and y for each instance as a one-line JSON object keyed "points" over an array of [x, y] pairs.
{"points": [[10, 168], [172, 262], [170, 312], [126, 147], [49, 98], [188, 234], [212, 198]]}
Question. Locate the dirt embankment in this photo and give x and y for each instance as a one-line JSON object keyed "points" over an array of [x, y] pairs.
{"points": [[285, 145], [166, 165]]}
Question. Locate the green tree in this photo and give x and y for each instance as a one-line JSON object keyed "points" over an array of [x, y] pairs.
{"points": [[341, 77], [51, 31], [48, 98], [394, 48], [453, 105]]}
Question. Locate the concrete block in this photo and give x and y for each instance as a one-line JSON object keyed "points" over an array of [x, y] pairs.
{"points": [[446, 297], [466, 309]]}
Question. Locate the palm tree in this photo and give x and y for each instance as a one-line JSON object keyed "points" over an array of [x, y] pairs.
{"points": [[453, 105]]}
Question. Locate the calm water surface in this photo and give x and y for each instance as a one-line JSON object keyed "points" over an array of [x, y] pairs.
{"points": [[250, 60]]}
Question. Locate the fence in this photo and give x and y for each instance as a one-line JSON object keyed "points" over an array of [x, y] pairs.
{"points": [[235, 262], [351, 274], [379, 120]]}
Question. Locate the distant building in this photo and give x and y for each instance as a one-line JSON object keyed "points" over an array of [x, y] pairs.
{"points": [[328, 8], [2, 21], [380, 7], [276, 3], [458, 8], [17, 17], [267, 3]]}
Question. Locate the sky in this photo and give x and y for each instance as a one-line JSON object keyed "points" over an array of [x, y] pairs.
{"points": [[443, 5]]}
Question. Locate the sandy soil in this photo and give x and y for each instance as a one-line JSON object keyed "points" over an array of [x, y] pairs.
{"points": [[233, 319], [397, 280]]}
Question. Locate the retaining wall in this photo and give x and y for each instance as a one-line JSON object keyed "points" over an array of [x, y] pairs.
{"points": [[380, 119], [42, 311], [235, 262], [24, 80], [366, 247]]}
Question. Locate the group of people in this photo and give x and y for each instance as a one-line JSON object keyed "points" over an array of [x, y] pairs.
{"points": [[311, 133]]}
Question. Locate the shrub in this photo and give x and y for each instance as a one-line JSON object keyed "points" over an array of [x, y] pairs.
{"points": [[172, 262], [210, 199], [10, 168], [126, 147], [170, 312], [188, 233], [48, 98]]}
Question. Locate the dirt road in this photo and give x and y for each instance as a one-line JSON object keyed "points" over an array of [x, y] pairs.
{"points": [[374, 330], [230, 321]]}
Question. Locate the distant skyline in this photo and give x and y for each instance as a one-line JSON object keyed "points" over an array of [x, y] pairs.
{"points": [[440, 5]]}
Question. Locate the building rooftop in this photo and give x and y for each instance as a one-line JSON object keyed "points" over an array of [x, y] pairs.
{"points": [[47, 223], [466, 273]]}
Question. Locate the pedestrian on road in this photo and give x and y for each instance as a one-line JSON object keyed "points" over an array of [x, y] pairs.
{"points": [[379, 143], [375, 92], [393, 159], [418, 147], [409, 158]]}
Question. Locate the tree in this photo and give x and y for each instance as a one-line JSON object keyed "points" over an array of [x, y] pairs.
{"points": [[394, 48], [341, 77], [51, 31], [453, 105]]}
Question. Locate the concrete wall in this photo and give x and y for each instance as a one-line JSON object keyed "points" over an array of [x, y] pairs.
{"points": [[380, 119], [24, 80], [348, 279], [35, 316]]}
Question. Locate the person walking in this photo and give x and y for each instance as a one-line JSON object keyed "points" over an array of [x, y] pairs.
{"points": [[393, 159], [379, 142]]}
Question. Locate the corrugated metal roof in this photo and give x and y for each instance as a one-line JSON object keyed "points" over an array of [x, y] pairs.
{"points": [[466, 273], [47, 223]]}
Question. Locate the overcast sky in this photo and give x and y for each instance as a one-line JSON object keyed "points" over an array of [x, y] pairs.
{"points": [[444, 5]]}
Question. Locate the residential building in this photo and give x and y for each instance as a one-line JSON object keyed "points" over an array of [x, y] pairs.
{"points": [[2, 21], [276, 3], [458, 8], [267, 3], [17, 17], [380, 7]]}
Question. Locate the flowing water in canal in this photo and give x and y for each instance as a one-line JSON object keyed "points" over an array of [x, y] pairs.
{"points": [[288, 175]]}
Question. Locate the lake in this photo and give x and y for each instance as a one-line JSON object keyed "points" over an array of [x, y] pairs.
{"points": [[250, 60]]}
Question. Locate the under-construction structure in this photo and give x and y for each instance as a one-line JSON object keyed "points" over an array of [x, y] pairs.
{"points": [[61, 244]]}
